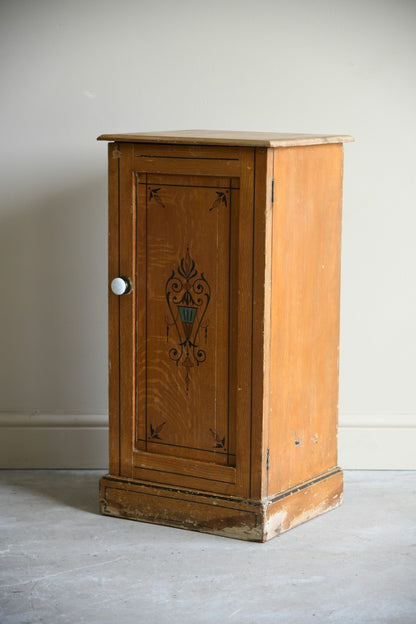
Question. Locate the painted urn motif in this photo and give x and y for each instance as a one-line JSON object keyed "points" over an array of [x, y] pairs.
{"points": [[187, 295]]}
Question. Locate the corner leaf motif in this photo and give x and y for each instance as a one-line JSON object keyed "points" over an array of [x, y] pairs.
{"points": [[154, 431], [153, 194], [220, 442], [221, 199]]}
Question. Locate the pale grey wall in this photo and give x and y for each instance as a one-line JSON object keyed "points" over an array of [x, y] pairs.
{"points": [[74, 69]]}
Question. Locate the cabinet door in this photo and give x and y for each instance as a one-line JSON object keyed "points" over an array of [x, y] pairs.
{"points": [[181, 340]]}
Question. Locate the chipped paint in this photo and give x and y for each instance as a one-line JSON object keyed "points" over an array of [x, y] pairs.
{"points": [[298, 440], [275, 523], [258, 520]]}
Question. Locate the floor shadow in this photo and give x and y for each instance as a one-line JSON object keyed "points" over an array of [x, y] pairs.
{"points": [[78, 489]]}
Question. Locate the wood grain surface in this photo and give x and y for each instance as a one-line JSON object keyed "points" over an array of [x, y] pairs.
{"points": [[305, 312], [182, 337], [228, 137], [223, 357], [184, 227]]}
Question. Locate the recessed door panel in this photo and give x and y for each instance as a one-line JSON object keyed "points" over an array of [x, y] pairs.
{"points": [[185, 249]]}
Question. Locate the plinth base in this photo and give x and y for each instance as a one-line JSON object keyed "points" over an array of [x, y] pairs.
{"points": [[252, 520]]}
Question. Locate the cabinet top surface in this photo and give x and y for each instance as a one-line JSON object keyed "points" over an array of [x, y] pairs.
{"points": [[228, 137]]}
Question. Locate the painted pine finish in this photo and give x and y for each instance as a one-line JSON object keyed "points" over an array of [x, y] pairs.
{"points": [[229, 137], [305, 310], [223, 357]]}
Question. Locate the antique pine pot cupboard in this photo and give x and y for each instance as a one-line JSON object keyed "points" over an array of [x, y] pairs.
{"points": [[224, 265]]}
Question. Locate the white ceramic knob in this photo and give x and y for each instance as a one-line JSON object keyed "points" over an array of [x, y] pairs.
{"points": [[120, 285]]}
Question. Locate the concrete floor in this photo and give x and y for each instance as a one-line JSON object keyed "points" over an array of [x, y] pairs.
{"points": [[61, 562]]}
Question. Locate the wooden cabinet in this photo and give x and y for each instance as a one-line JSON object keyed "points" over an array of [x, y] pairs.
{"points": [[223, 344]]}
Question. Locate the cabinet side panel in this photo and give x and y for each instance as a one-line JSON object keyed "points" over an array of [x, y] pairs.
{"points": [[305, 313]]}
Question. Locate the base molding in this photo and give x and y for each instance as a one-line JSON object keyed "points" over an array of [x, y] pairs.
{"points": [[78, 441], [53, 441], [377, 442], [256, 521], [304, 502]]}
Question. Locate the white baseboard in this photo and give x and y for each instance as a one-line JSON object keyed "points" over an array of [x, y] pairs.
{"points": [[81, 441], [72, 441], [377, 442]]}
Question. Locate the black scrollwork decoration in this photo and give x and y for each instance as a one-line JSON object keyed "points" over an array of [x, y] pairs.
{"points": [[187, 294]]}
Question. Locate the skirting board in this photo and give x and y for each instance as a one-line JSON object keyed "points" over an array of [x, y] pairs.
{"points": [[68, 441], [53, 441]]}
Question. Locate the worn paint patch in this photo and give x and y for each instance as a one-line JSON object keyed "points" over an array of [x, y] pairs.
{"points": [[275, 524], [298, 440]]}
